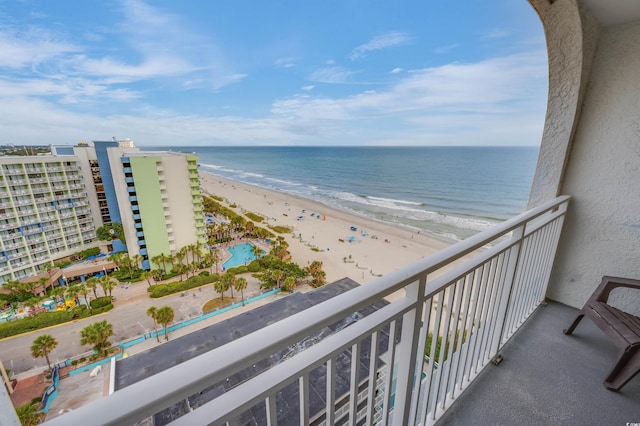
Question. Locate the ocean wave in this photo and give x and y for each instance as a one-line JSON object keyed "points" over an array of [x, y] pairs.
{"points": [[284, 182], [411, 203]]}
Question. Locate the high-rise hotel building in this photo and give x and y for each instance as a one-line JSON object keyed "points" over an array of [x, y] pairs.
{"points": [[44, 213], [51, 205], [160, 202]]}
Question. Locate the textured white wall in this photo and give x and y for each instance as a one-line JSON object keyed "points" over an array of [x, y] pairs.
{"points": [[571, 36], [602, 232]]}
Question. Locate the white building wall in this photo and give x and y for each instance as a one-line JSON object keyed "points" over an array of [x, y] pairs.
{"points": [[591, 150], [182, 222]]}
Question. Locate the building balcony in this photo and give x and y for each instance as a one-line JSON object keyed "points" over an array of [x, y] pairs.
{"points": [[472, 298]]}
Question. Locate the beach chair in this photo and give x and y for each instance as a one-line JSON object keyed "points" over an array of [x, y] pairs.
{"points": [[621, 327]]}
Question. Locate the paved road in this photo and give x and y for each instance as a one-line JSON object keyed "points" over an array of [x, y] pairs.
{"points": [[128, 318]]}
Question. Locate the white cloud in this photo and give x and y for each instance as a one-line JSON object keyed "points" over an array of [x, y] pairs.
{"points": [[396, 70], [382, 41], [154, 45], [285, 62], [496, 33], [445, 49], [450, 102], [308, 88], [31, 47], [333, 75], [498, 101]]}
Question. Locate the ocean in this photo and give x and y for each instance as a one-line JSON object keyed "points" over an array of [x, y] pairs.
{"points": [[453, 192]]}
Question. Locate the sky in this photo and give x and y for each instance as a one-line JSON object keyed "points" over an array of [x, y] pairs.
{"points": [[281, 72]]}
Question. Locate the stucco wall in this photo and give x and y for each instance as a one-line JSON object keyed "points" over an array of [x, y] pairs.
{"points": [[571, 35], [602, 230]]}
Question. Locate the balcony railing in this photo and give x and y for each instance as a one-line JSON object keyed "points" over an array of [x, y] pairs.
{"points": [[470, 298]]}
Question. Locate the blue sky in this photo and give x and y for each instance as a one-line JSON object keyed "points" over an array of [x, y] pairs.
{"points": [[288, 72]]}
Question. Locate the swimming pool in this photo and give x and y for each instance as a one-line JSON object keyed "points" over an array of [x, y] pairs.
{"points": [[240, 254]]}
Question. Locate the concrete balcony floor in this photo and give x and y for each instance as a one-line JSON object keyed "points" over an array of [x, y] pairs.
{"points": [[548, 378]]}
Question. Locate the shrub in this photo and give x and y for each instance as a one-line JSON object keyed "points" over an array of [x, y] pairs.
{"points": [[204, 273], [161, 290], [254, 217], [83, 359], [62, 264], [238, 270], [100, 302], [280, 229], [254, 266], [47, 319], [74, 362]]}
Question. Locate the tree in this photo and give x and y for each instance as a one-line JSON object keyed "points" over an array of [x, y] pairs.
{"points": [[57, 294], [256, 252], [221, 285], [73, 292], [289, 284], [147, 275], [161, 261], [84, 291], [92, 283], [107, 284], [164, 316], [156, 274], [179, 256], [29, 414], [42, 347], [97, 334], [240, 285], [318, 276], [152, 312]]}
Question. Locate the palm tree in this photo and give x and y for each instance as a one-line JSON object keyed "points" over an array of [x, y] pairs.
{"points": [[164, 316], [221, 285], [92, 283], [240, 285], [97, 334], [256, 252], [193, 267], [73, 292], [289, 284], [57, 293], [161, 260], [179, 257], [152, 312], [29, 414], [42, 347], [278, 275], [147, 275], [84, 291], [318, 276], [156, 274], [107, 284], [137, 260]]}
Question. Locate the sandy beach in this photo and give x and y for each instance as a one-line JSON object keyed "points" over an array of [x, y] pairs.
{"points": [[371, 250]]}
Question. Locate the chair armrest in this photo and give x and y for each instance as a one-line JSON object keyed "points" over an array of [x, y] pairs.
{"points": [[608, 284]]}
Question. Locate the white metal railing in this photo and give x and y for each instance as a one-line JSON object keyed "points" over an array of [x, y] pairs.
{"points": [[458, 307]]}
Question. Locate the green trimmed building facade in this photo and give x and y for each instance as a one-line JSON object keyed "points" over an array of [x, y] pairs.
{"points": [[160, 202]]}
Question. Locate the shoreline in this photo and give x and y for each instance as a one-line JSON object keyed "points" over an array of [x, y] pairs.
{"points": [[324, 233]]}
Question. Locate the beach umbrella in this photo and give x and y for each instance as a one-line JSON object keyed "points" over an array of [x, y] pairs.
{"points": [[352, 238]]}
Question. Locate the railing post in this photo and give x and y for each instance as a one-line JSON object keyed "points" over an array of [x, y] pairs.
{"points": [[406, 354], [507, 290]]}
